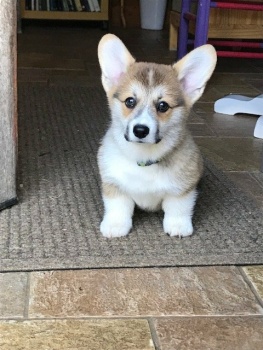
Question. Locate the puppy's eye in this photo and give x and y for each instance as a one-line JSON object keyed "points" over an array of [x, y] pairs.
{"points": [[130, 102], [162, 107]]}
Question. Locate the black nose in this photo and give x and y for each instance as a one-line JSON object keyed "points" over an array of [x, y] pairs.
{"points": [[141, 131]]}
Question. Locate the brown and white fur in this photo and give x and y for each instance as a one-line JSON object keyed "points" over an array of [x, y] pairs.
{"points": [[143, 132]]}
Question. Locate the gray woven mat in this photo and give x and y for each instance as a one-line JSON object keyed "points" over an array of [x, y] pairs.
{"points": [[56, 223]]}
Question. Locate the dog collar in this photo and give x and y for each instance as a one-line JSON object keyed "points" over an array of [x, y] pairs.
{"points": [[149, 162]]}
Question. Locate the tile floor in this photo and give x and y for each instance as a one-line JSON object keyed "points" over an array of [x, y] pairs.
{"points": [[168, 308]]}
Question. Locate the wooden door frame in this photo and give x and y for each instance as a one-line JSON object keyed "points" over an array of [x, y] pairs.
{"points": [[8, 103]]}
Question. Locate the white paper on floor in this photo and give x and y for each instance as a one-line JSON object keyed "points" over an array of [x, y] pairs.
{"points": [[258, 131]]}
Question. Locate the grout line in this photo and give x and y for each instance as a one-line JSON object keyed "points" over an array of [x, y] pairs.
{"points": [[255, 179], [251, 85], [251, 286], [147, 318], [26, 310], [232, 137], [155, 338]]}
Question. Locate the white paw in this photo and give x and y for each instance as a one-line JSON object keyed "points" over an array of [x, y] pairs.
{"points": [[181, 227], [112, 228]]}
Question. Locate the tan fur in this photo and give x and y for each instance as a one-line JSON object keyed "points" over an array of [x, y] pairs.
{"points": [[148, 77], [161, 168], [110, 190]]}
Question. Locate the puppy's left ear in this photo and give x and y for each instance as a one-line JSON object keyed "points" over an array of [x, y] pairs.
{"points": [[114, 59], [194, 70]]}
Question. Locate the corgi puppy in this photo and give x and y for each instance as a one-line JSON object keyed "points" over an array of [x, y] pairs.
{"points": [[148, 157]]}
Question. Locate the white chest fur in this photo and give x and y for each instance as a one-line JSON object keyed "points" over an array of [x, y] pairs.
{"points": [[146, 185]]}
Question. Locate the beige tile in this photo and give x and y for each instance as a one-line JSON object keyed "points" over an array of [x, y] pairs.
{"points": [[83, 80], [248, 75], [200, 130], [224, 333], [258, 84], [258, 176], [211, 94], [141, 292], [232, 154], [204, 109], [13, 287], [195, 119], [249, 184], [42, 60], [32, 75], [29, 59], [76, 335], [255, 275], [231, 125], [240, 125], [224, 78], [242, 89], [233, 65]]}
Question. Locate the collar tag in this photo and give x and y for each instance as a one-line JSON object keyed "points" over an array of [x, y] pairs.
{"points": [[149, 162]]}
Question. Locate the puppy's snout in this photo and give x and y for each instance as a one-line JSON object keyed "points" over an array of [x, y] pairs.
{"points": [[141, 131]]}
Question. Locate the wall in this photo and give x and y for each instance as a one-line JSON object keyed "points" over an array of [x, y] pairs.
{"points": [[8, 117]]}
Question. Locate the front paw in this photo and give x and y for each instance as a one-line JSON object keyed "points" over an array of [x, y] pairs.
{"points": [[181, 227], [115, 228]]}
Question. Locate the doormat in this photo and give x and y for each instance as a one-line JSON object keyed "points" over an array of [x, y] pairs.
{"points": [[56, 223]]}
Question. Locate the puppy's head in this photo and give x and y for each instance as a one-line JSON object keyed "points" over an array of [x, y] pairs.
{"points": [[150, 101]]}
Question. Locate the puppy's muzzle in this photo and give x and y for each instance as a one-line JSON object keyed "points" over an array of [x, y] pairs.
{"points": [[141, 131]]}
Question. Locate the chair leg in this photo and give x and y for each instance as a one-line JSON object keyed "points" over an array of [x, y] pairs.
{"points": [[183, 30], [202, 22]]}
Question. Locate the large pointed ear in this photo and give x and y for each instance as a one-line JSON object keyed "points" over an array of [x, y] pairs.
{"points": [[195, 69], [114, 59]]}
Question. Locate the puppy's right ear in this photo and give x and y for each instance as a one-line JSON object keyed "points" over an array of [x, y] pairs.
{"points": [[114, 59]]}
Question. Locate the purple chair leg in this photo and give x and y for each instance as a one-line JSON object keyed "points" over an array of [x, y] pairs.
{"points": [[202, 22], [183, 30]]}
